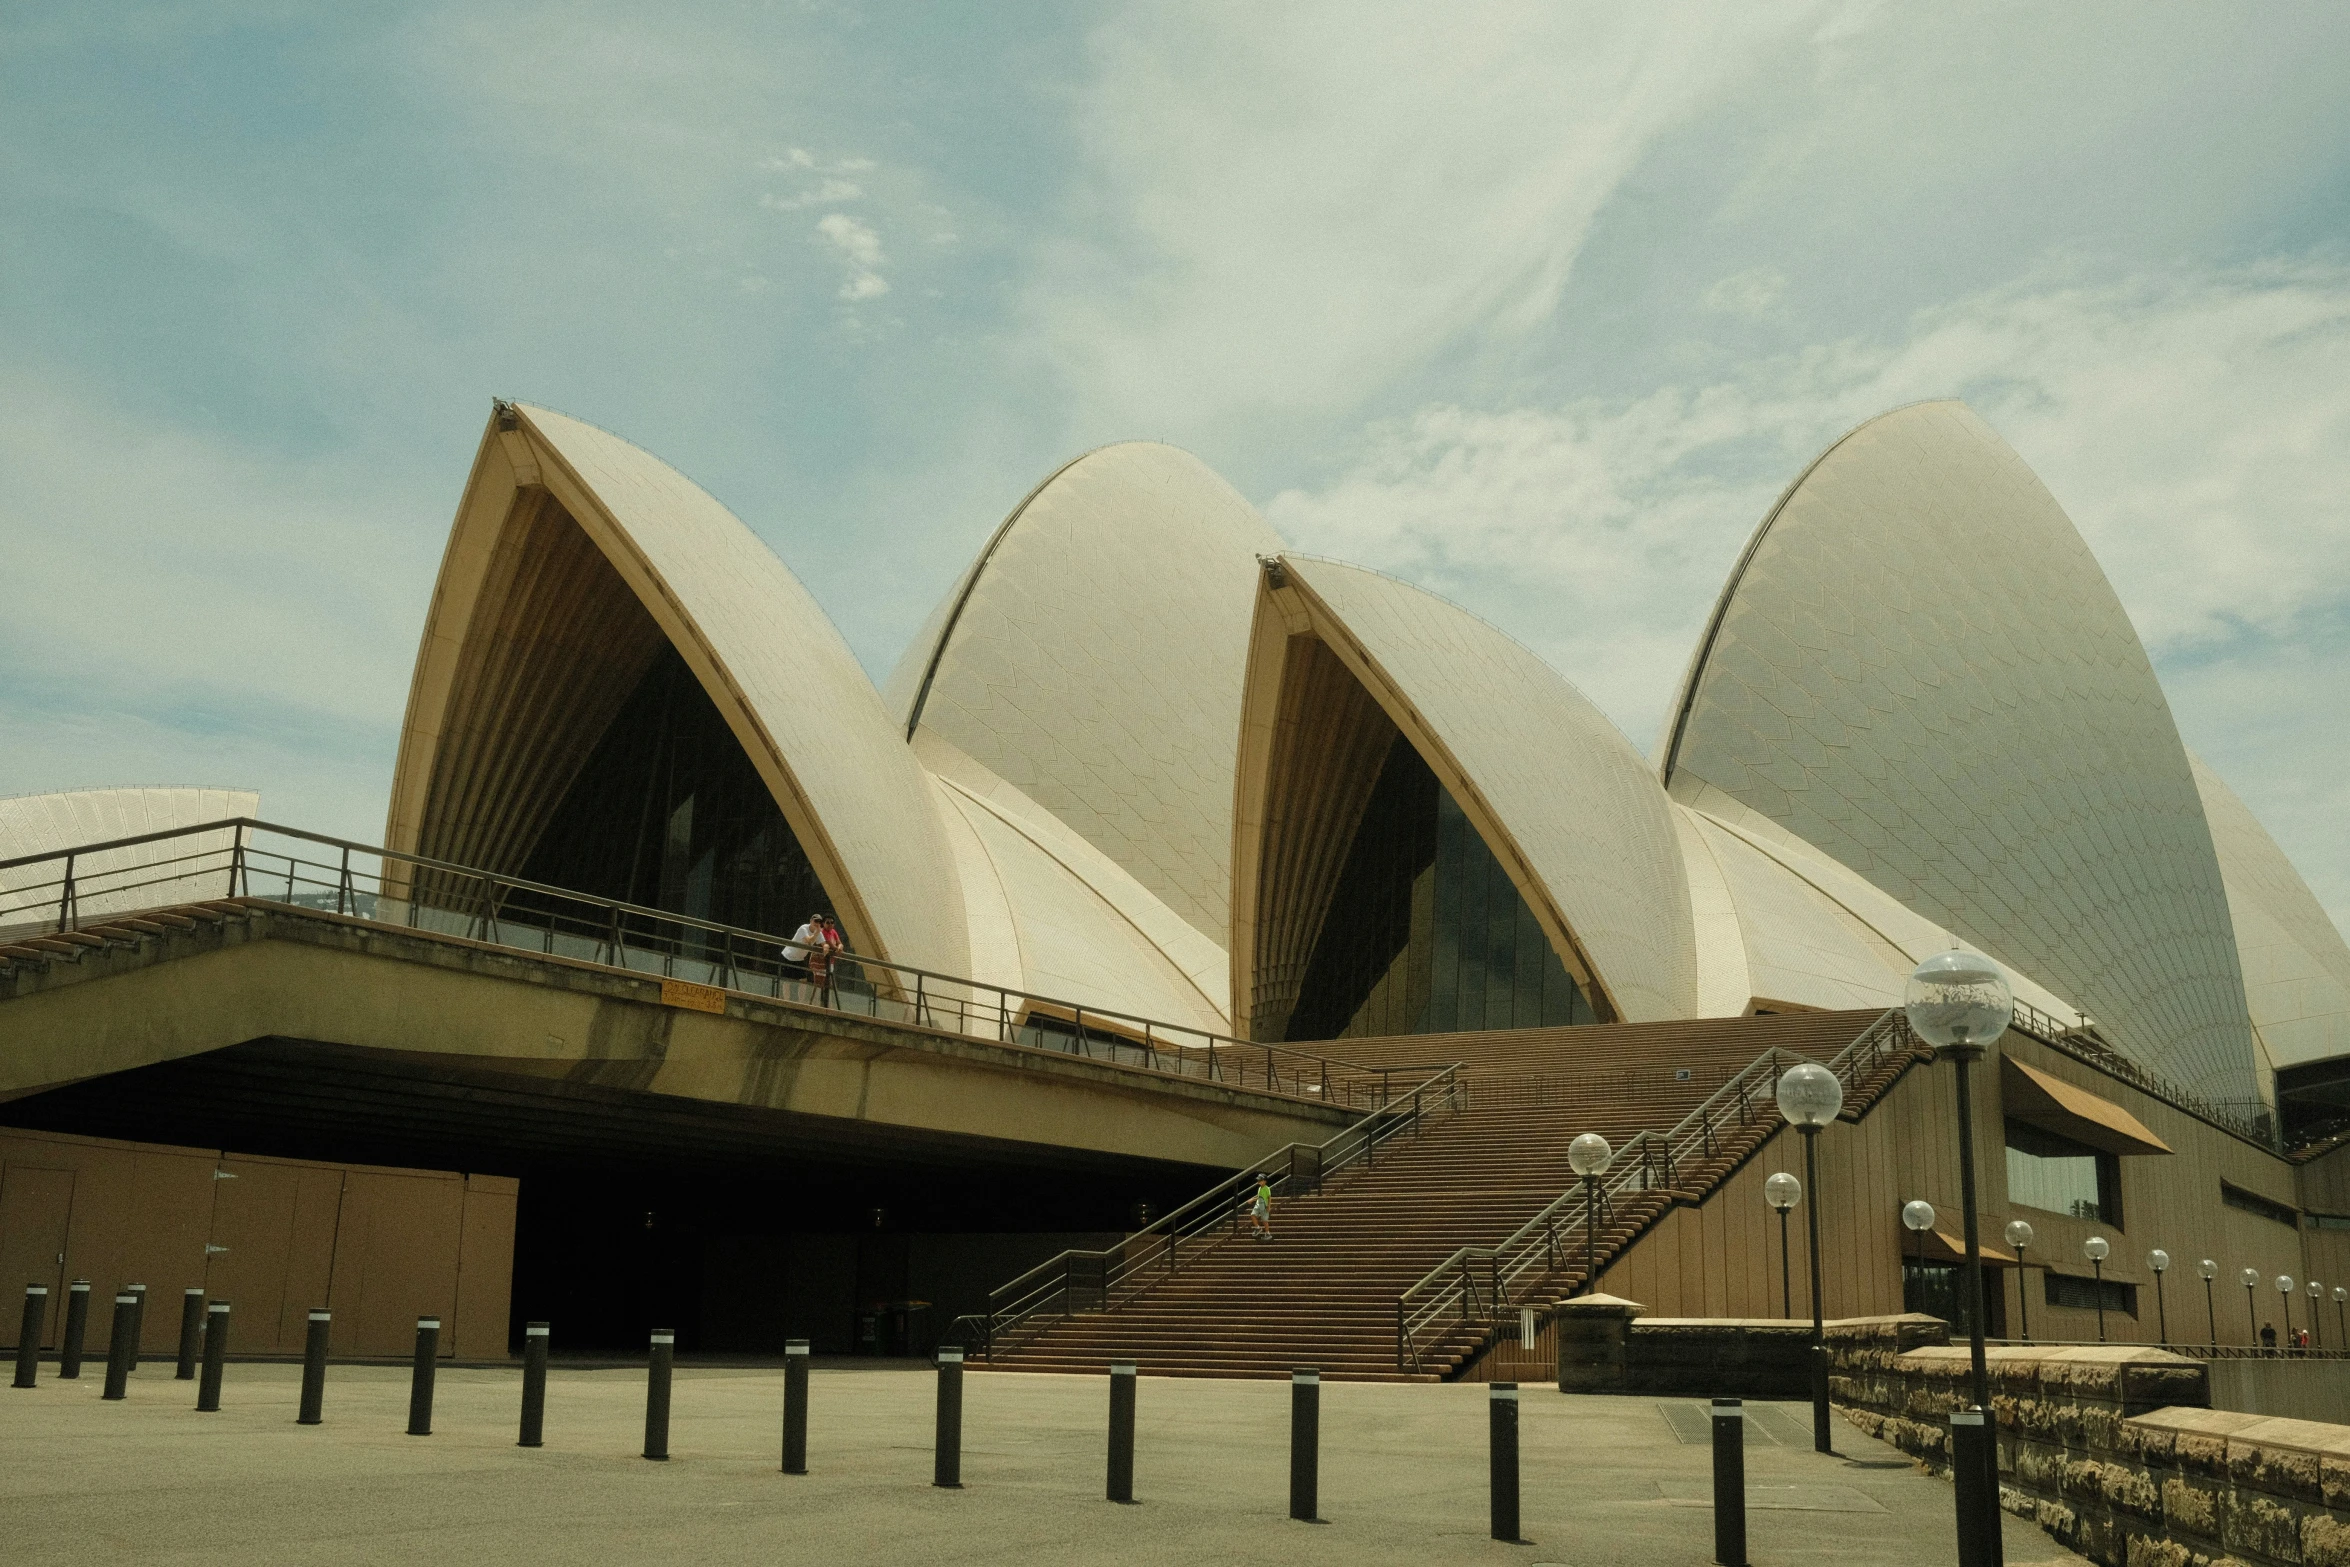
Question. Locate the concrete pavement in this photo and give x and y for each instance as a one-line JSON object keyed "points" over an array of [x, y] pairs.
{"points": [[1607, 1480]]}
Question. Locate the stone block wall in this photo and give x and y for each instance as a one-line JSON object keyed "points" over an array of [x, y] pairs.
{"points": [[2111, 1449]]}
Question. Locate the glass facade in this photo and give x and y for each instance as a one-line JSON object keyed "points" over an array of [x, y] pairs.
{"points": [[1425, 932], [2058, 1175], [669, 812], [1938, 1289]]}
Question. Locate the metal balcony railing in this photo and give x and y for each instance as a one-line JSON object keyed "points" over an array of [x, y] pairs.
{"points": [[264, 863]]}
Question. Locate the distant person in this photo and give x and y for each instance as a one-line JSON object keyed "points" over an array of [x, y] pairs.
{"points": [[1260, 1211], [804, 941], [2268, 1337], [820, 952]]}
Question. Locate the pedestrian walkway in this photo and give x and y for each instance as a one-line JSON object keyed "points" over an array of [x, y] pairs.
{"points": [[1606, 1480]]}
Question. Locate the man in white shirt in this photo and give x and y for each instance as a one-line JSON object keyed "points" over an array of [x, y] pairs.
{"points": [[808, 937]]}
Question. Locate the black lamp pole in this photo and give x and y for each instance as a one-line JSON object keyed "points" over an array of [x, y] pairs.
{"points": [[1786, 1273], [2210, 1311], [1590, 1235], [1979, 1544], [1819, 1332]]}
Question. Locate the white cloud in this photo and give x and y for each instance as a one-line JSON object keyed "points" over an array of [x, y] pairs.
{"points": [[1293, 204], [860, 247], [1753, 292]]}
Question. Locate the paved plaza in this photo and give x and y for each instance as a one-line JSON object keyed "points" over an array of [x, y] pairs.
{"points": [[1607, 1480]]}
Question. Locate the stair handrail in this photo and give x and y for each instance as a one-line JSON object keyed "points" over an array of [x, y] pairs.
{"points": [[1081, 1279], [1449, 1288]]}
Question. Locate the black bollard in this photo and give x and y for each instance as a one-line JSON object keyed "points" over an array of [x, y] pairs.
{"points": [[138, 1294], [215, 1355], [118, 1345], [1973, 1465], [428, 1354], [191, 1334], [1121, 1431], [795, 1406], [1729, 1482], [77, 1328], [314, 1368], [947, 1470], [28, 1335], [657, 1394], [534, 1384], [1501, 1406], [1305, 1444]]}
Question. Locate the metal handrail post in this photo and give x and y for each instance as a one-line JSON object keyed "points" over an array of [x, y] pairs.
{"points": [[65, 897], [343, 885]]}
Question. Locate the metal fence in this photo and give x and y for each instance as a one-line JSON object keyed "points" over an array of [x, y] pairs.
{"points": [[255, 861]]}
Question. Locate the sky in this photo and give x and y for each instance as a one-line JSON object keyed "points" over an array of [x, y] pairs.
{"points": [[1538, 306]]}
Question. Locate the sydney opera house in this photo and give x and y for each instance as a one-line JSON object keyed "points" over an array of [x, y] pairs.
{"points": [[1147, 762]]}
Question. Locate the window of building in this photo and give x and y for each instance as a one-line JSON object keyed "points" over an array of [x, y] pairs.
{"points": [[1938, 1289], [2079, 1294], [2321, 1221], [2058, 1175], [2266, 1207], [1426, 932]]}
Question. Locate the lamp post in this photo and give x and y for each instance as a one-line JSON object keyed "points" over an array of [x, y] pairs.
{"points": [[2341, 1326], [2210, 1270], [1919, 1216], [1960, 1004], [1809, 1097], [2317, 1333], [2096, 1247], [2159, 1261], [2251, 1312], [1783, 1191], [1589, 1156], [2285, 1294], [2019, 1235]]}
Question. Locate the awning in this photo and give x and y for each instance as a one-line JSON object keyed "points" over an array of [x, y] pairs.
{"points": [[2057, 1106], [1941, 1245]]}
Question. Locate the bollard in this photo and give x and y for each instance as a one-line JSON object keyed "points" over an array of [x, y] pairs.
{"points": [[77, 1328], [138, 1295], [795, 1406], [657, 1394], [1121, 1431], [947, 1470], [191, 1334], [314, 1368], [118, 1345], [28, 1336], [1729, 1482], [428, 1352], [1973, 1470], [1305, 1443], [215, 1355], [1501, 1406], [534, 1384]]}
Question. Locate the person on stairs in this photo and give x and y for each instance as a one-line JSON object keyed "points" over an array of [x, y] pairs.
{"points": [[1260, 1211]]}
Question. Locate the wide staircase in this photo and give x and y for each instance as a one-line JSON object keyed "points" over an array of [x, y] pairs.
{"points": [[1400, 1260]]}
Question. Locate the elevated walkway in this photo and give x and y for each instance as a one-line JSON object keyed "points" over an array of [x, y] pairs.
{"points": [[412, 988]]}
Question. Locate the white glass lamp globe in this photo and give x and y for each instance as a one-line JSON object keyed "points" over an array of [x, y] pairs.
{"points": [[2251, 1277], [1959, 1000], [1589, 1154], [1918, 1215], [1809, 1094], [1782, 1191], [2096, 1248], [2340, 1294], [2315, 1289], [2019, 1234], [2158, 1260], [2208, 1268], [2284, 1284]]}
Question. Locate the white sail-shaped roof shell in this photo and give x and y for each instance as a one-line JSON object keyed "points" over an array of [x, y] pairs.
{"points": [[1565, 802], [770, 660], [1092, 658], [139, 876], [1919, 669], [2296, 967]]}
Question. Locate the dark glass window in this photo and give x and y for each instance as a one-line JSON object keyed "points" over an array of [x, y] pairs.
{"points": [[2058, 1175], [1426, 933], [2252, 1202], [2078, 1294], [669, 812], [1939, 1290]]}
